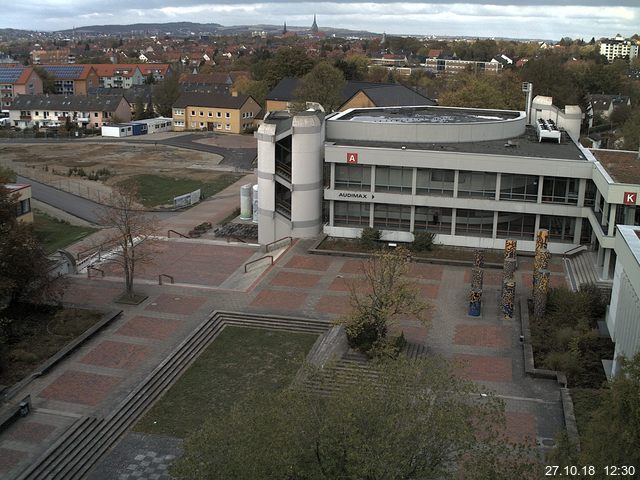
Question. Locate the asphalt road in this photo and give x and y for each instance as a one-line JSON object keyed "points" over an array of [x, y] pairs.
{"points": [[73, 204]]}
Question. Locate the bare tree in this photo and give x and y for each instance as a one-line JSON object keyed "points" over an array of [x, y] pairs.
{"points": [[130, 230], [379, 300]]}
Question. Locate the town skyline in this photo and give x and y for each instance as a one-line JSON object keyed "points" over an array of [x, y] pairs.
{"points": [[473, 18]]}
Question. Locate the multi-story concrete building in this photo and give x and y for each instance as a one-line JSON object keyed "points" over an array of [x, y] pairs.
{"points": [[472, 177], [618, 47], [81, 110], [214, 112], [623, 321], [17, 80], [441, 66]]}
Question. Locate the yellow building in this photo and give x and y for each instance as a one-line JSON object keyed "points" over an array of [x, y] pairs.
{"points": [[23, 194], [214, 112]]}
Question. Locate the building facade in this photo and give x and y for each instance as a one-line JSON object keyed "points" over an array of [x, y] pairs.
{"points": [[618, 47], [23, 201], [17, 80], [214, 112], [471, 177]]}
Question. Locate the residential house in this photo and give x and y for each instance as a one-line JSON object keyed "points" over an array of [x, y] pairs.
{"points": [[23, 199], [86, 111], [618, 47], [604, 105], [72, 79], [57, 56], [17, 80], [354, 95], [214, 112], [159, 71]]}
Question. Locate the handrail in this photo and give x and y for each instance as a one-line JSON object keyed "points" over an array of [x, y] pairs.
{"points": [[573, 250], [237, 239], [164, 275], [90, 267], [178, 233], [257, 260], [266, 247]]}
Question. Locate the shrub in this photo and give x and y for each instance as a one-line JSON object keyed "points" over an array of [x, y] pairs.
{"points": [[369, 238], [422, 242]]}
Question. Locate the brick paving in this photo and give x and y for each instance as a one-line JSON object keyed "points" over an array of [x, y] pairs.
{"points": [[30, 432], [80, 387], [279, 300], [149, 327], [112, 354], [485, 368], [520, 427], [293, 279], [10, 458], [176, 304], [336, 304], [309, 262], [493, 336]]}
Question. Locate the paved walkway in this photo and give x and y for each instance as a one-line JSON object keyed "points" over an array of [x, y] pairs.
{"points": [[99, 375]]}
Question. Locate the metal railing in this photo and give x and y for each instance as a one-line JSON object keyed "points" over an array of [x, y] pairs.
{"points": [[268, 245], [164, 275], [90, 268], [257, 260], [176, 232], [574, 250]]}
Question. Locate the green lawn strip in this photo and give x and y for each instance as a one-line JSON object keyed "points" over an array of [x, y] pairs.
{"points": [[36, 333], [585, 401], [239, 362], [157, 190], [55, 234]]}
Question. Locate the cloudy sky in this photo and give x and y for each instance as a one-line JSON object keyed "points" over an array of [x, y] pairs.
{"points": [[549, 19]]}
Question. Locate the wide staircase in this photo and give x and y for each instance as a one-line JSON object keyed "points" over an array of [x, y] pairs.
{"points": [[581, 271], [89, 438]]}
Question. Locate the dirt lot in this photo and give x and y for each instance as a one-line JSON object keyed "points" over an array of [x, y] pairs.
{"points": [[122, 161]]}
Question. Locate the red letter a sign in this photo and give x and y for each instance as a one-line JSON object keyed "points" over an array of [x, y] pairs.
{"points": [[352, 158], [630, 198]]}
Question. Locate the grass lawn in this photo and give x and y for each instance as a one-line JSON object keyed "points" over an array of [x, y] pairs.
{"points": [[55, 234], [157, 190], [240, 361], [37, 333]]}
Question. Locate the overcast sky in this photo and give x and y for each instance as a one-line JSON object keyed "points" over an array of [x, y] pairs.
{"points": [[547, 19]]}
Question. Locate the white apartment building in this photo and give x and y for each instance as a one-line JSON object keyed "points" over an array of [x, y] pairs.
{"points": [[618, 47]]}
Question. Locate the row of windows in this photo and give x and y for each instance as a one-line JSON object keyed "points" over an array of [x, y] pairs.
{"points": [[217, 126], [522, 188], [473, 223]]}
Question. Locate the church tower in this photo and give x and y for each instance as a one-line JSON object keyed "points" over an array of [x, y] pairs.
{"points": [[284, 30], [314, 26]]}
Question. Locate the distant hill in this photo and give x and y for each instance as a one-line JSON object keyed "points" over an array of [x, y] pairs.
{"points": [[180, 28]]}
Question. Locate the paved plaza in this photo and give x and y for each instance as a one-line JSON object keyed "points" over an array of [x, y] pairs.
{"points": [[100, 374]]}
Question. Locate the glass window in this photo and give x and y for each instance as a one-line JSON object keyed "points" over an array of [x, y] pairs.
{"points": [[474, 223], [560, 190], [394, 179], [435, 182], [521, 188], [516, 225], [352, 177], [24, 206], [476, 184], [350, 214], [590, 194], [392, 217], [433, 219], [561, 229]]}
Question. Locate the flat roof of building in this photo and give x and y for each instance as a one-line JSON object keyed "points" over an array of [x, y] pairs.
{"points": [[426, 114], [525, 145], [623, 166]]}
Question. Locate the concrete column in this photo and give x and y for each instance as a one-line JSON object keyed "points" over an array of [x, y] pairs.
{"points": [[612, 219], [332, 181], [494, 232], [453, 221], [536, 225], [371, 207], [600, 256], [498, 182], [456, 179], [373, 179], [605, 265], [596, 201], [605, 215], [577, 231], [412, 225], [414, 180], [582, 190], [540, 185], [331, 212]]}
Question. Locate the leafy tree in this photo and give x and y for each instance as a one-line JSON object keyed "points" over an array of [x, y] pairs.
{"points": [[286, 62], [354, 67], [48, 81], [24, 267], [484, 91], [370, 237], [130, 232], [150, 80], [631, 131], [378, 300], [139, 109], [166, 93], [414, 420], [550, 77], [258, 89], [377, 74], [323, 84]]}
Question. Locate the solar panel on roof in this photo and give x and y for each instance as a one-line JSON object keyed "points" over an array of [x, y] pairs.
{"points": [[10, 74], [64, 72]]}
